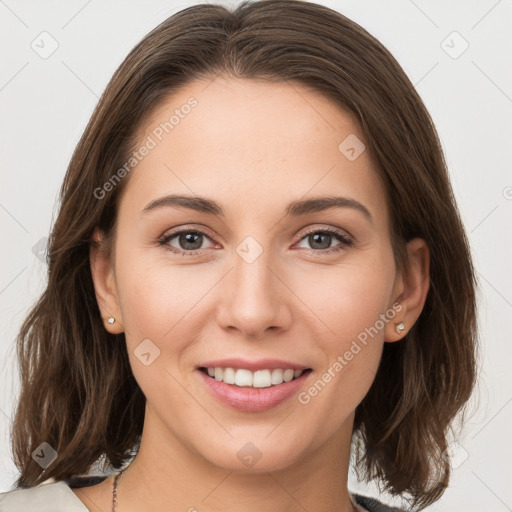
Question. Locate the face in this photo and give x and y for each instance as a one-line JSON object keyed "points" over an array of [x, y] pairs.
{"points": [[248, 282]]}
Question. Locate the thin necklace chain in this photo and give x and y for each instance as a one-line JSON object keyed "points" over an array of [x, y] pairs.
{"points": [[114, 492]]}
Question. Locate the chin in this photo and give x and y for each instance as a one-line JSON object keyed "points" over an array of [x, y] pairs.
{"points": [[255, 453]]}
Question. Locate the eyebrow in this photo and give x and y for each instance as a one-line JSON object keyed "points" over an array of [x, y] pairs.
{"points": [[294, 209]]}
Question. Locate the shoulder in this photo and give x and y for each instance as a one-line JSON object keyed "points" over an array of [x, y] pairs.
{"points": [[373, 505], [49, 496]]}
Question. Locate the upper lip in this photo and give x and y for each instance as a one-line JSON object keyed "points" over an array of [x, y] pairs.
{"points": [[260, 364]]}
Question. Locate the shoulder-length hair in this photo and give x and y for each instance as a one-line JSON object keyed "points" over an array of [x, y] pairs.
{"points": [[77, 390]]}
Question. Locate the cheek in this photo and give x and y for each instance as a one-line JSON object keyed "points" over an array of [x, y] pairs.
{"points": [[161, 307], [159, 300], [349, 298], [353, 306]]}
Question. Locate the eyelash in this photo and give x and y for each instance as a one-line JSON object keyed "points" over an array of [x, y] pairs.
{"points": [[341, 237]]}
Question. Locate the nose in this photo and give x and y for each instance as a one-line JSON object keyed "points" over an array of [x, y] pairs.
{"points": [[253, 297]]}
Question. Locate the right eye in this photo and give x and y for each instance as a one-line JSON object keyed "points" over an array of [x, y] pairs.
{"points": [[188, 241]]}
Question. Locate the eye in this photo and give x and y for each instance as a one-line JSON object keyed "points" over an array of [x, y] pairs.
{"points": [[320, 240], [188, 241], [191, 241]]}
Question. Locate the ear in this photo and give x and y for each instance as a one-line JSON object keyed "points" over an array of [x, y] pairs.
{"points": [[104, 284], [410, 291]]}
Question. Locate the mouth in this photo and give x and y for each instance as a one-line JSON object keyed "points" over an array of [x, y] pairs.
{"points": [[242, 377], [252, 386]]}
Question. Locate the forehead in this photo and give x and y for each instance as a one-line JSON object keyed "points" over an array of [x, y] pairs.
{"points": [[253, 141]]}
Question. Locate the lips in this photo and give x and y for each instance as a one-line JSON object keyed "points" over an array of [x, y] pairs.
{"points": [[253, 386], [261, 364]]}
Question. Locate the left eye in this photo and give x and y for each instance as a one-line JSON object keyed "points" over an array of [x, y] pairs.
{"points": [[320, 240]]}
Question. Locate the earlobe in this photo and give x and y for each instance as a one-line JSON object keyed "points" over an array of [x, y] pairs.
{"points": [[102, 274], [411, 289]]}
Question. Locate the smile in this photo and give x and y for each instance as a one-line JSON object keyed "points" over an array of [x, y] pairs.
{"points": [[258, 379]]}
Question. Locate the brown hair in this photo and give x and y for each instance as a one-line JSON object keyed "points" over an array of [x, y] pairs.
{"points": [[77, 390]]}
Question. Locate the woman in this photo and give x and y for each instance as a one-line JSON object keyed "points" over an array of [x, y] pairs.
{"points": [[258, 264]]}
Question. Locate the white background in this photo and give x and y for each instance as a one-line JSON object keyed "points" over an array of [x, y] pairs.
{"points": [[46, 104]]}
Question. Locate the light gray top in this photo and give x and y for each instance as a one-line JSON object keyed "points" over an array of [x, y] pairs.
{"points": [[45, 497]]}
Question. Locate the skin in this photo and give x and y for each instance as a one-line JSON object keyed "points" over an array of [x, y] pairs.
{"points": [[252, 146]]}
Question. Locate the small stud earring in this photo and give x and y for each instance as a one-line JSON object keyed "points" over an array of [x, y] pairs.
{"points": [[400, 327], [111, 320]]}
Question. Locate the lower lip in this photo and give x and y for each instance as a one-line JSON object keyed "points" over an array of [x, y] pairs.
{"points": [[253, 399]]}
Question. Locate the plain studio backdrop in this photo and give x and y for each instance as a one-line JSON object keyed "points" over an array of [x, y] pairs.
{"points": [[56, 60]]}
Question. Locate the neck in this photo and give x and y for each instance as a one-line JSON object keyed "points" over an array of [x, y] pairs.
{"points": [[165, 475]]}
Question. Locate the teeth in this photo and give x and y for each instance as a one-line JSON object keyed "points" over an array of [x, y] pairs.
{"points": [[261, 379], [277, 376], [258, 379], [288, 375], [229, 376], [242, 377]]}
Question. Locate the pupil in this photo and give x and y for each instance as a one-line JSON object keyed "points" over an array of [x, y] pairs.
{"points": [[314, 239], [188, 238]]}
